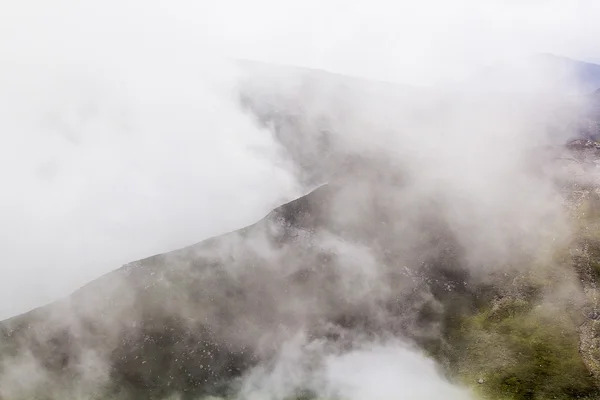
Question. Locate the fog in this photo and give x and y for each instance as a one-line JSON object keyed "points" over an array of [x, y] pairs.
{"points": [[122, 135], [97, 99]]}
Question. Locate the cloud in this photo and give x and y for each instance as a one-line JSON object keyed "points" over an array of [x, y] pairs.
{"points": [[385, 370], [122, 136]]}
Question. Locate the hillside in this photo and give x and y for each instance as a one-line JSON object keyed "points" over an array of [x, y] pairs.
{"points": [[588, 74], [480, 253], [193, 320], [321, 119]]}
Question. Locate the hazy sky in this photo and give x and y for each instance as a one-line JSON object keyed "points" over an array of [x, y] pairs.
{"points": [[120, 138], [377, 38]]}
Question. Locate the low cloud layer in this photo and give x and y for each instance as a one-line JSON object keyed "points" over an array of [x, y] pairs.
{"points": [[123, 135]]}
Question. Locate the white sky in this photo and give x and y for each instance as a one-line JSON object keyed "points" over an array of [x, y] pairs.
{"points": [[375, 38]]}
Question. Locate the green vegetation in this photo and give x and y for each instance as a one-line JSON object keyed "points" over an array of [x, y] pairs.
{"points": [[523, 353], [532, 335], [515, 342], [521, 345]]}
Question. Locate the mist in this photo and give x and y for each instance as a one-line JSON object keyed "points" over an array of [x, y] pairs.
{"points": [[96, 99], [123, 137]]}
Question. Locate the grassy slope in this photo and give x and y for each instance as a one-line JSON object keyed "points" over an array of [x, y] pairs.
{"points": [[520, 347]]}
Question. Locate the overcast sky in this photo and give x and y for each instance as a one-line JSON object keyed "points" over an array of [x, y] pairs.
{"points": [[120, 138], [376, 38]]}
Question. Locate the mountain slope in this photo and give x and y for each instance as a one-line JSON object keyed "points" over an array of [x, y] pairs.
{"points": [[325, 121], [587, 74], [195, 320], [483, 260]]}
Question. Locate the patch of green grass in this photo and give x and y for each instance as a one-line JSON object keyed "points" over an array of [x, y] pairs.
{"points": [[524, 353]]}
